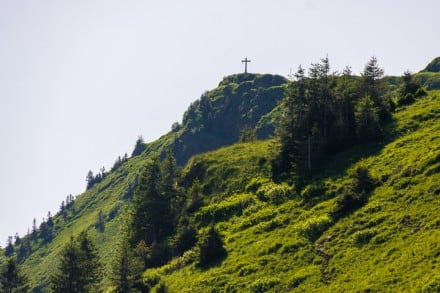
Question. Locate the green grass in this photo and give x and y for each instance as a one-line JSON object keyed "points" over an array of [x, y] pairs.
{"points": [[279, 239], [391, 243]]}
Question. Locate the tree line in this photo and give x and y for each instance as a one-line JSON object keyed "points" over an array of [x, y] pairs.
{"points": [[324, 112]]}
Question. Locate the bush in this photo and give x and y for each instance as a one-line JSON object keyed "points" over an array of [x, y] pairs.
{"points": [[275, 193], [264, 285], [256, 183], [210, 247], [225, 209], [312, 228], [150, 279], [313, 190], [408, 99], [355, 193], [420, 93], [364, 236]]}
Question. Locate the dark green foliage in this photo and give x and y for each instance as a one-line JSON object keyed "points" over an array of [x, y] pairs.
{"points": [[433, 66], [119, 161], [325, 113], [139, 147], [92, 180], [313, 190], [9, 250], [210, 247], [355, 193], [11, 278], [248, 134], [126, 270], [152, 219], [219, 116], [408, 99], [100, 222], [409, 90], [185, 238], [367, 120], [289, 130], [79, 267], [420, 93]]}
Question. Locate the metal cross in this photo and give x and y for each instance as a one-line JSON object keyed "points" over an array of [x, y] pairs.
{"points": [[245, 61]]}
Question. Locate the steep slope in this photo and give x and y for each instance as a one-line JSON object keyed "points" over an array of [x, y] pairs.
{"points": [[276, 237], [240, 99], [281, 240]]}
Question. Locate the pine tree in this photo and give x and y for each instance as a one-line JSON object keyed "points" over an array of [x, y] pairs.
{"points": [[367, 120], [11, 278], [79, 268], [151, 216], [68, 278], [139, 147], [126, 270], [9, 249], [90, 264], [290, 122]]}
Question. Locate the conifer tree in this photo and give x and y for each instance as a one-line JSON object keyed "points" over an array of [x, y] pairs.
{"points": [[126, 269], [79, 267], [139, 147], [9, 249], [11, 278]]}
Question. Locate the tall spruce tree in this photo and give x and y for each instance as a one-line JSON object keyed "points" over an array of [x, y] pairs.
{"points": [[126, 269], [286, 163], [151, 207], [79, 268], [11, 278]]}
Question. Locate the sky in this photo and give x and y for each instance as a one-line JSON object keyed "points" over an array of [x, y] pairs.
{"points": [[81, 80]]}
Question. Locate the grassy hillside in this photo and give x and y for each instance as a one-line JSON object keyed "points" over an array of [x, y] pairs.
{"points": [[279, 239], [240, 99]]}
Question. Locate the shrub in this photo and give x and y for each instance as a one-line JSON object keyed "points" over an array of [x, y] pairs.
{"points": [[210, 247], [225, 209], [255, 183], [313, 227], [313, 190], [275, 193], [263, 285], [420, 93], [150, 278], [364, 236], [355, 193], [408, 99]]}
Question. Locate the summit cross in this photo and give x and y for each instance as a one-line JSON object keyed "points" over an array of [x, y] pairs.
{"points": [[245, 61]]}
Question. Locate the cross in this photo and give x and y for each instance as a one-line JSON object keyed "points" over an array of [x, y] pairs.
{"points": [[245, 61]]}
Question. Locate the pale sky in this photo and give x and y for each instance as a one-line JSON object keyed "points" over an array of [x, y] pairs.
{"points": [[80, 80]]}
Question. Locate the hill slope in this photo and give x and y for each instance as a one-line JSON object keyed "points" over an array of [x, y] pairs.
{"points": [[239, 99], [277, 237], [279, 241]]}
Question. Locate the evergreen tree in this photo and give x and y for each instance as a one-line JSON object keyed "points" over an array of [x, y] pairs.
{"points": [[210, 246], [367, 120], [289, 127], [9, 249], [90, 179], [126, 270], [79, 268], [139, 147], [173, 200], [11, 278], [34, 233], [151, 209], [90, 264], [68, 278], [372, 85]]}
